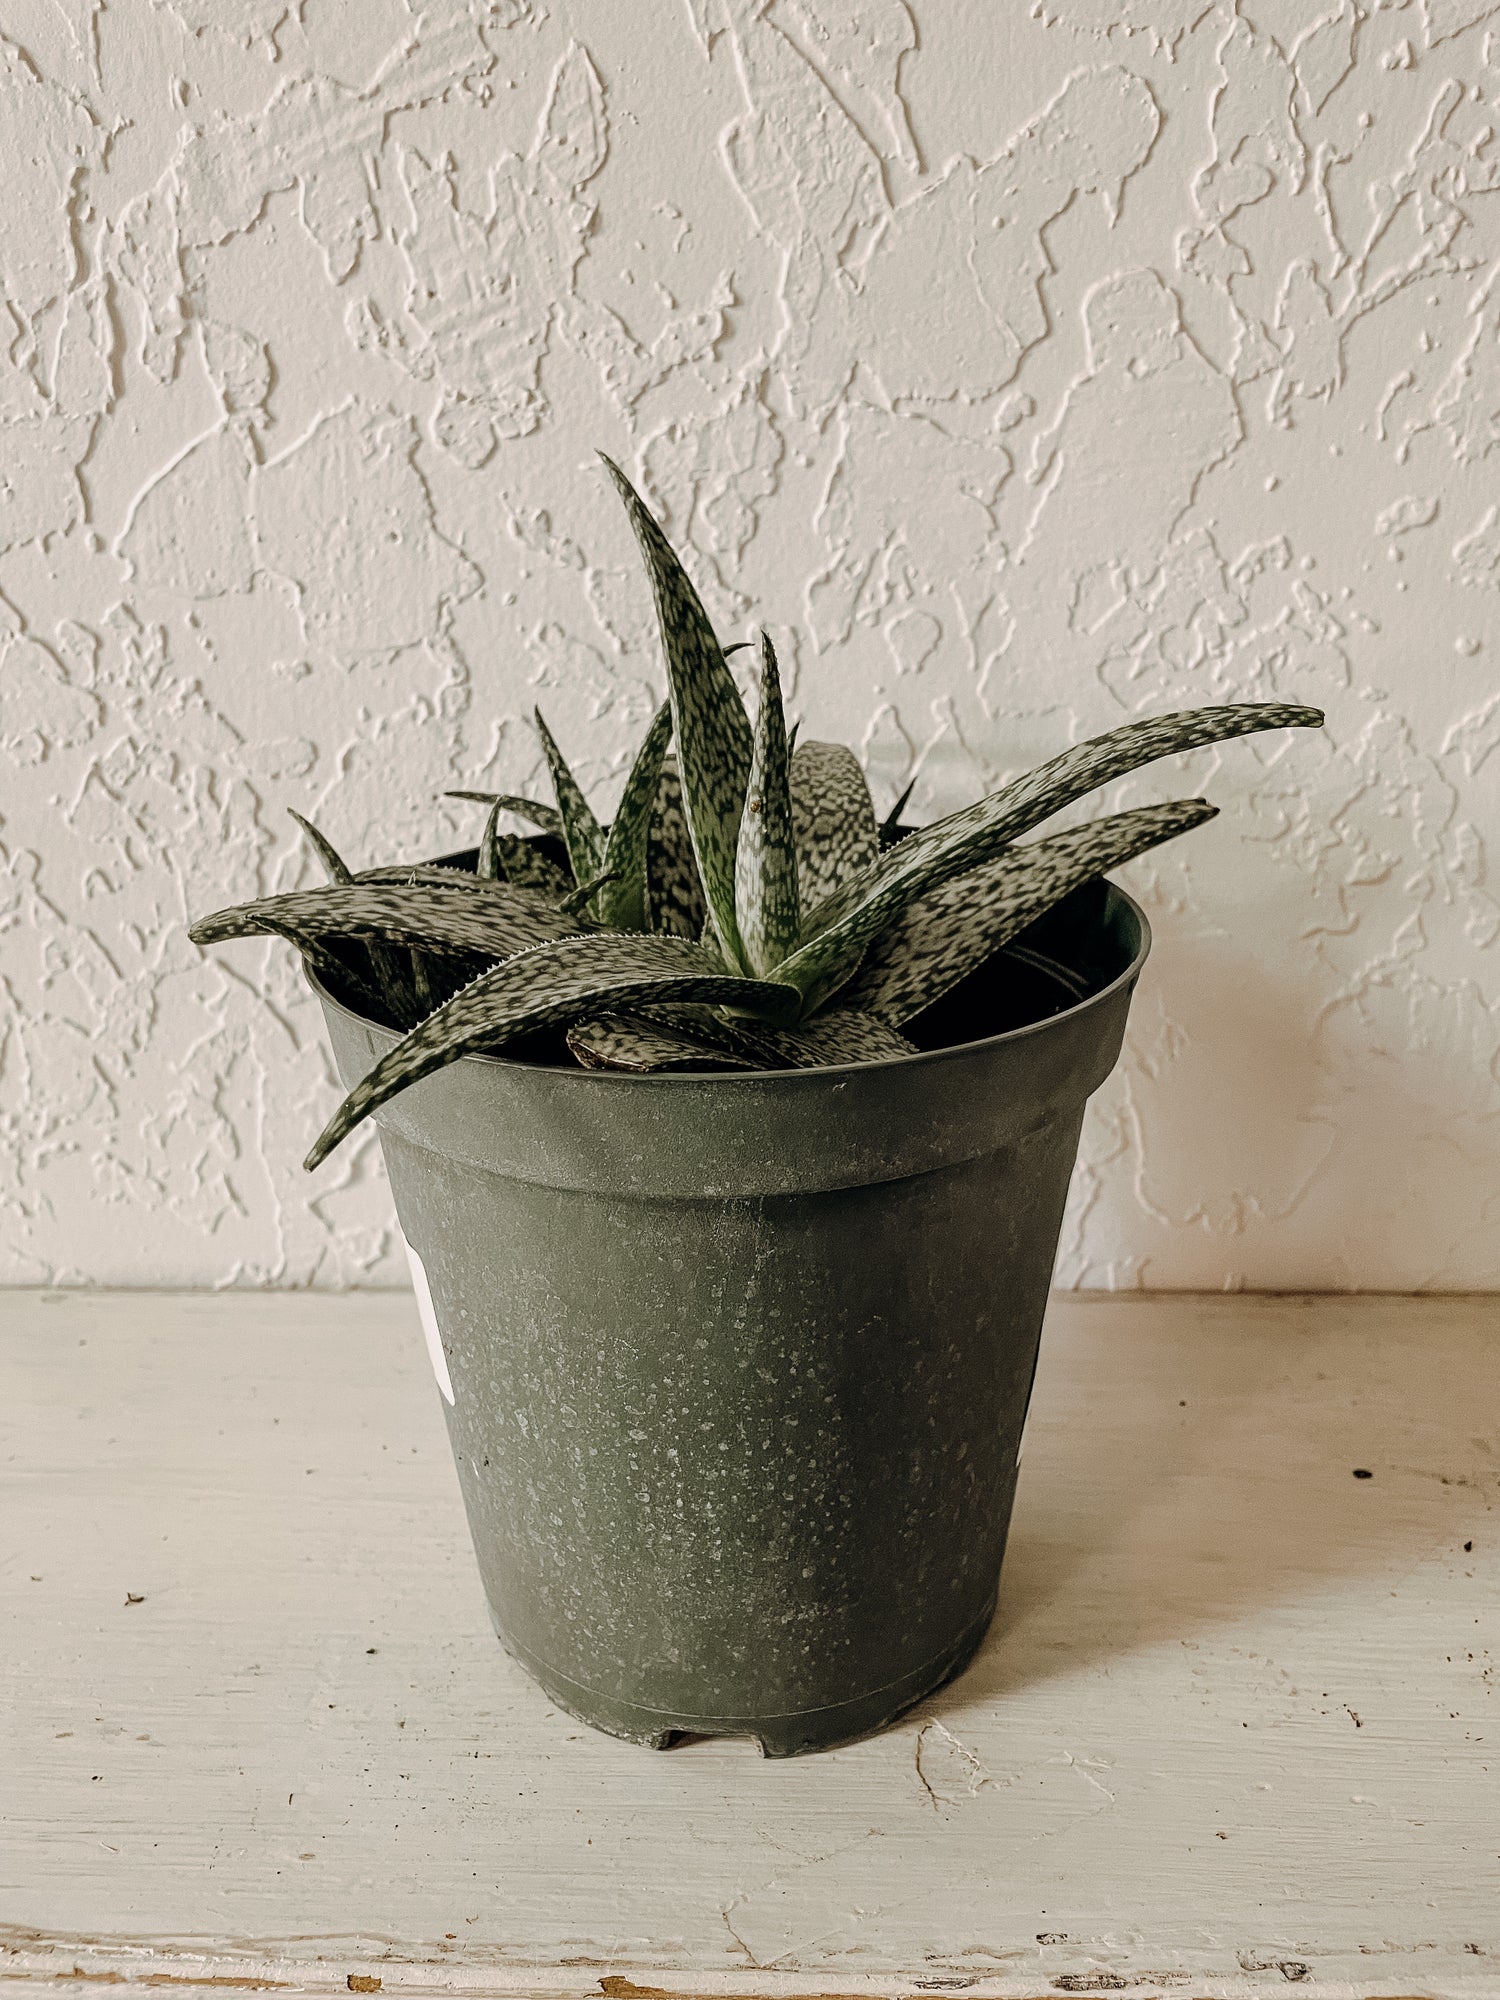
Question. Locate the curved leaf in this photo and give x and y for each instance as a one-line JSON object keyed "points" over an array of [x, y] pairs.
{"points": [[582, 834], [650, 1043], [547, 818], [555, 984], [838, 931], [765, 871], [943, 936], [333, 862], [674, 892], [708, 717], [491, 919], [890, 826], [385, 977], [837, 837], [623, 904]]}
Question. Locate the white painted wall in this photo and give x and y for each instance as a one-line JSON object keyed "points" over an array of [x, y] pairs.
{"points": [[1023, 369]]}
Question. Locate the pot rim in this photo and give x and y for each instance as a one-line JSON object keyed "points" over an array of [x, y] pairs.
{"points": [[750, 1078]]}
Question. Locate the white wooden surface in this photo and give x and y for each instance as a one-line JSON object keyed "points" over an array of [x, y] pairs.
{"points": [[1236, 1728]]}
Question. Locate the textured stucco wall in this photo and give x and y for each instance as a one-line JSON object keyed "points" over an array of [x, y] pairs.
{"points": [[1024, 367]]}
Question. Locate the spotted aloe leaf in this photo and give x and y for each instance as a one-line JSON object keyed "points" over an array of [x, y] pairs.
{"points": [[765, 875], [943, 936], [546, 818], [623, 903], [384, 977], [837, 933], [491, 919], [651, 1043], [674, 892], [582, 834], [708, 719], [334, 865], [687, 1037], [553, 985], [510, 857], [890, 826], [837, 837]]}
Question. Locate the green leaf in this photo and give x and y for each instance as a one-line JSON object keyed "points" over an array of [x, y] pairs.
{"points": [[522, 865], [708, 718], [674, 891], [841, 1034], [582, 834], [333, 863], [487, 868], [765, 881], [383, 977], [943, 936], [623, 905], [838, 931], [577, 900], [492, 919], [556, 984], [692, 1038], [837, 838], [649, 1043], [547, 818], [890, 825]]}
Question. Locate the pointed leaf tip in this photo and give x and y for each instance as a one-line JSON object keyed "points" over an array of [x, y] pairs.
{"points": [[708, 717], [765, 877]]}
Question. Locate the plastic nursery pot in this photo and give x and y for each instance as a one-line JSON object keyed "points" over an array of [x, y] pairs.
{"points": [[735, 1367]]}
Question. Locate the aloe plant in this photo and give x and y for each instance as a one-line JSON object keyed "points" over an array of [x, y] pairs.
{"points": [[744, 909]]}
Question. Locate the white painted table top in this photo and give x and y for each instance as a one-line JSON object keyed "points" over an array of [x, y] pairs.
{"points": [[1236, 1728]]}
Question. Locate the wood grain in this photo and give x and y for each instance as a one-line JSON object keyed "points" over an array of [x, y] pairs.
{"points": [[1235, 1729]]}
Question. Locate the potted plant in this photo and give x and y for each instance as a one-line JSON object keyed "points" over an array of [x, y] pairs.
{"points": [[731, 1141]]}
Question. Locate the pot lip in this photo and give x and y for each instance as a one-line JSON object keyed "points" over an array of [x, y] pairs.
{"points": [[634, 1079]]}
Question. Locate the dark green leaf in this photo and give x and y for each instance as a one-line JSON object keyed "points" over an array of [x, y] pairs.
{"points": [[944, 935], [492, 919], [333, 862], [548, 818], [837, 933], [892, 821], [649, 1043], [582, 834], [556, 984], [837, 838], [623, 905], [765, 882], [675, 893], [708, 718]]}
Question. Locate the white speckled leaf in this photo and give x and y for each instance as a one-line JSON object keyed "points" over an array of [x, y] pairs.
{"points": [[673, 888], [492, 919], [333, 862], [547, 818], [384, 977], [943, 936], [623, 903], [685, 1038], [708, 718], [556, 984], [891, 824], [838, 932], [834, 816], [765, 874], [582, 834], [650, 1043]]}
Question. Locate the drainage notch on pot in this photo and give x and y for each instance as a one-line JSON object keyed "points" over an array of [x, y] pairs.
{"points": [[738, 1365]]}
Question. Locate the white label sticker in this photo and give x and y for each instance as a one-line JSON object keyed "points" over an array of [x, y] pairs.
{"points": [[434, 1339]]}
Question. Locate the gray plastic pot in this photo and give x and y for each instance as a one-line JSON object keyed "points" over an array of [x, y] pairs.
{"points": [[739, 1364]]}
